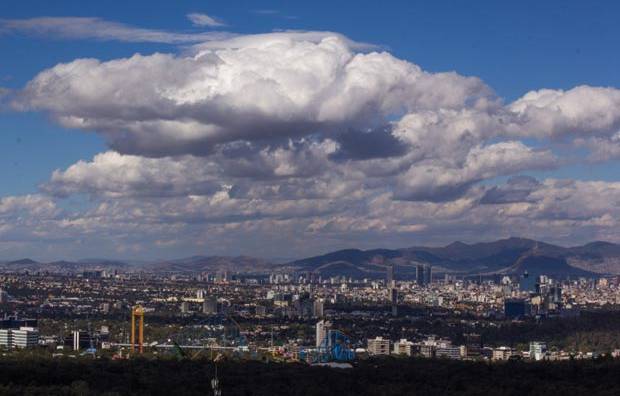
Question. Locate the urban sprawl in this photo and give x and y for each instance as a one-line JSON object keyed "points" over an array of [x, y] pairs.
{"points": [[292, 317]]}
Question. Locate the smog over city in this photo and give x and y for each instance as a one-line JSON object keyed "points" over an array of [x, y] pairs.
{"points": [[309, 198]]}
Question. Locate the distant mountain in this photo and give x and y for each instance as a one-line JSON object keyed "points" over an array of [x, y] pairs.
{"points": [[62, 266], [505, 256], [25, 261], [197, 264]]}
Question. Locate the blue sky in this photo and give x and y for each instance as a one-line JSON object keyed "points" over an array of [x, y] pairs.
{"points": [[513, 47]]}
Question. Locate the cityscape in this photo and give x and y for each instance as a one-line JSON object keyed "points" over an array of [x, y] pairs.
{"points": [[309, 198], [292, 317]]}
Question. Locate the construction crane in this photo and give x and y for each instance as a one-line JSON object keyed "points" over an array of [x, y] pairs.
{"points": [[137, 314]]}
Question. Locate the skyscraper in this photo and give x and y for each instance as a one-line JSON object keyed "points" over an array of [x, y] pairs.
{"points": [[321, 331], [317, 308], [419, 274], [389, 276], [424, 274], [394, 300], [428, 275]]}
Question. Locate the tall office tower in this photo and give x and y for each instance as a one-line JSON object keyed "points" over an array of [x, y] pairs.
{"points": [[428, 275], [424, 274], [555, 294], [209, 306], [419, 275], [394, 301], [81, 339], [317, 308], [389, 276], [321, 331], [184, 307]]}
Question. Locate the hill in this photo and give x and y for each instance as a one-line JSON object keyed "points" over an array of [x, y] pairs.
{"points": [[505, 256]]}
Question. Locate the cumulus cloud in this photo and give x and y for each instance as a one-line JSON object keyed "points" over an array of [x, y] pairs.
{"points": [[516, 189], [199, 19], [315, 140], [601, 149], [583, 110], [436, 180], [262, 87]]}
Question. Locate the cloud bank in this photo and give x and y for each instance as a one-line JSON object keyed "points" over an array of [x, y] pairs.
{"points": [[298, 142]]}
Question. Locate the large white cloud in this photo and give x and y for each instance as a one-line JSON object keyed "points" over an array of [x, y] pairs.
{"points": [[273, 86], [306, 141], [583, 110]]}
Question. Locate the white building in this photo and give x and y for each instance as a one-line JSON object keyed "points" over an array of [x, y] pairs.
{"points": [[378, 346], [321, 331], [502, 353], [24, 337], [538, 350], [403, 347]]}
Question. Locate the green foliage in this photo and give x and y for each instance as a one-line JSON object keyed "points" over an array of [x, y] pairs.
{"points": [[371, 377]]}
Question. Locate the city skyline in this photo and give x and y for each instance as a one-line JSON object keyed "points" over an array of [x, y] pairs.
{"points": [[282, 131]]}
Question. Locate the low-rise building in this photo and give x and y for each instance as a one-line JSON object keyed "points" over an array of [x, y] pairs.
{"points": [[503, 353], [403, 347], [378, 346]]}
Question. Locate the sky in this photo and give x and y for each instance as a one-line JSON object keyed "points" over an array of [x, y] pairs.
{"points": [[148, 130]]}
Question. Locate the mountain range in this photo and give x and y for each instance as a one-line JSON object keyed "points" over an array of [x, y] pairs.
{"points": [[506, 256]]}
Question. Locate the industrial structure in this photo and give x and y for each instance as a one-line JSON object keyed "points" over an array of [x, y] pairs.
{"points": [[137, 314]]}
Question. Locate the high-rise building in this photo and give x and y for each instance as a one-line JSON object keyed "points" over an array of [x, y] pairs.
{"points": [[24, 337], [389, 276], [3, 296], [184, 307], [317, 308], [424, 274], [428, 275], [80, 339], [394, 300], [378, 346], [209, 306], [6, 339], [321, 332]]}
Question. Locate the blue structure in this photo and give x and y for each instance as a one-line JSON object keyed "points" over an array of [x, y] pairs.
{"points": [[335, 347]]}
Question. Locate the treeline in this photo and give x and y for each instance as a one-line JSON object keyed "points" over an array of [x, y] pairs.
{"points": [[371, 377]]}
